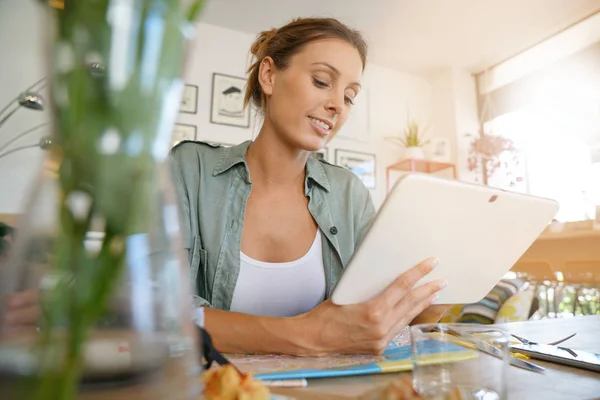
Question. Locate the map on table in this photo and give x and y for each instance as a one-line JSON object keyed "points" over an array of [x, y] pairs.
{"points": [[396, 358]]}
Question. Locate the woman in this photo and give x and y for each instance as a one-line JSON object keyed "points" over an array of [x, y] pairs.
{"points": [[269, 229]]}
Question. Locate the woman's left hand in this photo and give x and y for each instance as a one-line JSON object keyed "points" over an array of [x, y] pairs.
{"points": [[430, 315]]}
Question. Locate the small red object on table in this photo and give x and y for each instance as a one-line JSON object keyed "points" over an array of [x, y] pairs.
{"points": [[418, 165]]}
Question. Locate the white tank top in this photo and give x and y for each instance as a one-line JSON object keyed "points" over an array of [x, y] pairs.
{"points": [[280, 289]]}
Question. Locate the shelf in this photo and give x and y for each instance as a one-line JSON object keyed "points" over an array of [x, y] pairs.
{"points": [[419, 165], [589, 233]]}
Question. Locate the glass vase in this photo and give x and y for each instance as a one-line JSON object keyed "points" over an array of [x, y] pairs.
{"points": [[97, 261]]}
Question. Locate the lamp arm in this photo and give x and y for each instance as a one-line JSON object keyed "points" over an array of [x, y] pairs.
{"points": [[35, 84], [20, 135], [18, 149], [17, 98], [3, 120], [8, 105]]}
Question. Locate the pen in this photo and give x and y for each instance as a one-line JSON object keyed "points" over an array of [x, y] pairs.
{"points": [[286, 383]]}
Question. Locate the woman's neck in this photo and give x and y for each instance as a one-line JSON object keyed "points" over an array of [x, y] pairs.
{"points": [[273, 163]]}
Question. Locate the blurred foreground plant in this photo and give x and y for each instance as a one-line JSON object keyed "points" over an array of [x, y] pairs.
{"points": [[115, 80]]}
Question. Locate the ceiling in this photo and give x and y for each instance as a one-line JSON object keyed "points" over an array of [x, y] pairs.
{"points": [[420, 36]]}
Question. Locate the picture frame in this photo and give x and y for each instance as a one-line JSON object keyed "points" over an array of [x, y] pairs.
{"points": [[182, 132], [227, 101], [441, 150], [361, 164], [322, 154], [189, 99]]}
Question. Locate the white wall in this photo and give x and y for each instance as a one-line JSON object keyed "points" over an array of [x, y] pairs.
{"points": [[467, 119], [388, 93], [21, 28], [455, 114], [225, 51]]}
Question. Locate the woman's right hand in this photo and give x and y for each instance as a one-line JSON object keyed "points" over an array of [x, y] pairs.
{"points": [[370, 326], [20, 313]]}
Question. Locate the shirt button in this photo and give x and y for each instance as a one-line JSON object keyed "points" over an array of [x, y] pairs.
{"points": [[309, 184], [333, 230]]}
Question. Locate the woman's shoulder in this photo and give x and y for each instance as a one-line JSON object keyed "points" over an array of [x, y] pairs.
{"points": [[189, 150]]}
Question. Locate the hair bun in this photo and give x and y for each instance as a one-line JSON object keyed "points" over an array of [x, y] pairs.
{"points": [[261, 42]]}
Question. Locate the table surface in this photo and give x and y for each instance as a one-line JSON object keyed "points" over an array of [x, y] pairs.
{"points": [[558, 382]]}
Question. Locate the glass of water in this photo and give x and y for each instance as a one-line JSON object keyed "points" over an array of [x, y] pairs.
{"points": [[460, 361]]}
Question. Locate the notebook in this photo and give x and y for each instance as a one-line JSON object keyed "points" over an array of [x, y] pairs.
{"points": [[396, 358]]}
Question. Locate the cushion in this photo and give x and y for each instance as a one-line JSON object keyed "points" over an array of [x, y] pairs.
{"points": [[516, 308], [486, 310], [452, 314]]}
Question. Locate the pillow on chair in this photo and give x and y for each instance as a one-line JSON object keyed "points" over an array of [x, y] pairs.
{"points": [[452, 314], [486, 310], [516, 308]]}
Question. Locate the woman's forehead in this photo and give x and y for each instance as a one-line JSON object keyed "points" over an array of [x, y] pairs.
{"points": [[342, 56]]}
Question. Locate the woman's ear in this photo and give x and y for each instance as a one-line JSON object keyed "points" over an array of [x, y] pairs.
{"points": [[266, 75]]}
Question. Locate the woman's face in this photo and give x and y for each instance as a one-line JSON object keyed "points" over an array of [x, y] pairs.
{"points": [[309, 100]]}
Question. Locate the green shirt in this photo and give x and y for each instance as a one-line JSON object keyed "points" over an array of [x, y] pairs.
{"points": [[213, 185]]}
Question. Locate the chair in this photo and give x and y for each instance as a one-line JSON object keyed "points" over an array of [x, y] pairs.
{"points": [[542, 276], [584, 276]]}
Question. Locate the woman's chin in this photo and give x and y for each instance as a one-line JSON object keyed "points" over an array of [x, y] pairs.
{"points": [[314, 143]]}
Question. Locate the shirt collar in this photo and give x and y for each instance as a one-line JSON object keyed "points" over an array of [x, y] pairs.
{"points": [[237, 155]]}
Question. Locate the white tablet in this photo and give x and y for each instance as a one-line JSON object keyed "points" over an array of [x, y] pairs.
{"points": [[477, 232]]}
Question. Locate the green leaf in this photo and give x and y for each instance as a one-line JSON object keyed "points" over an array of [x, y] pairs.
{"points": [[195, 9]]}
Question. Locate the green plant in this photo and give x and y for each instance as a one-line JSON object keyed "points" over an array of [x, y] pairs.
{"points": [[131, 98], [412, 135]]}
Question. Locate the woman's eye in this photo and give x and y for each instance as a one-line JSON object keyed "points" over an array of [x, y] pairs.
{"points": [[348, 100], [319, 83]]}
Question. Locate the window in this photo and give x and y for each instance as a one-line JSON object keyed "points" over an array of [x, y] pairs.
{"points": [[557, 159]]}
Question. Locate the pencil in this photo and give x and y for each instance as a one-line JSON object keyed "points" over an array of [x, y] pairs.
{"points": [[286, 383]]}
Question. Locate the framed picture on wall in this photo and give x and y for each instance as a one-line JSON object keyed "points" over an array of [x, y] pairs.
{"points": [[189, 99], [227, 103], [361, 164], [183, 132], [440, 149], [322, 154]]}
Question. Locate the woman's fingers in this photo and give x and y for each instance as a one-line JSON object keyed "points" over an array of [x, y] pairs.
{"points": [[409, 315], [23, 299], [22, 316], [415, 297], [431, 314], [16, 332], [415, 302], [405, 282], [21, 312]]}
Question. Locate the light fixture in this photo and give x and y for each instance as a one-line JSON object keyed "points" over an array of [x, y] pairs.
{"points": [[29, 98], [44, 143]]}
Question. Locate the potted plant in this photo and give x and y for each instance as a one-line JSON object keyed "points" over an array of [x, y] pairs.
{"points": [[412, 140]]}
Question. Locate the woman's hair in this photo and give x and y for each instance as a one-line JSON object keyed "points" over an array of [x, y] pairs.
{"points": [[281, 44]]}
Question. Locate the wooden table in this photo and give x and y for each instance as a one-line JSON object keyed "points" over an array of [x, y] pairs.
{"points": [[558, 382]]}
